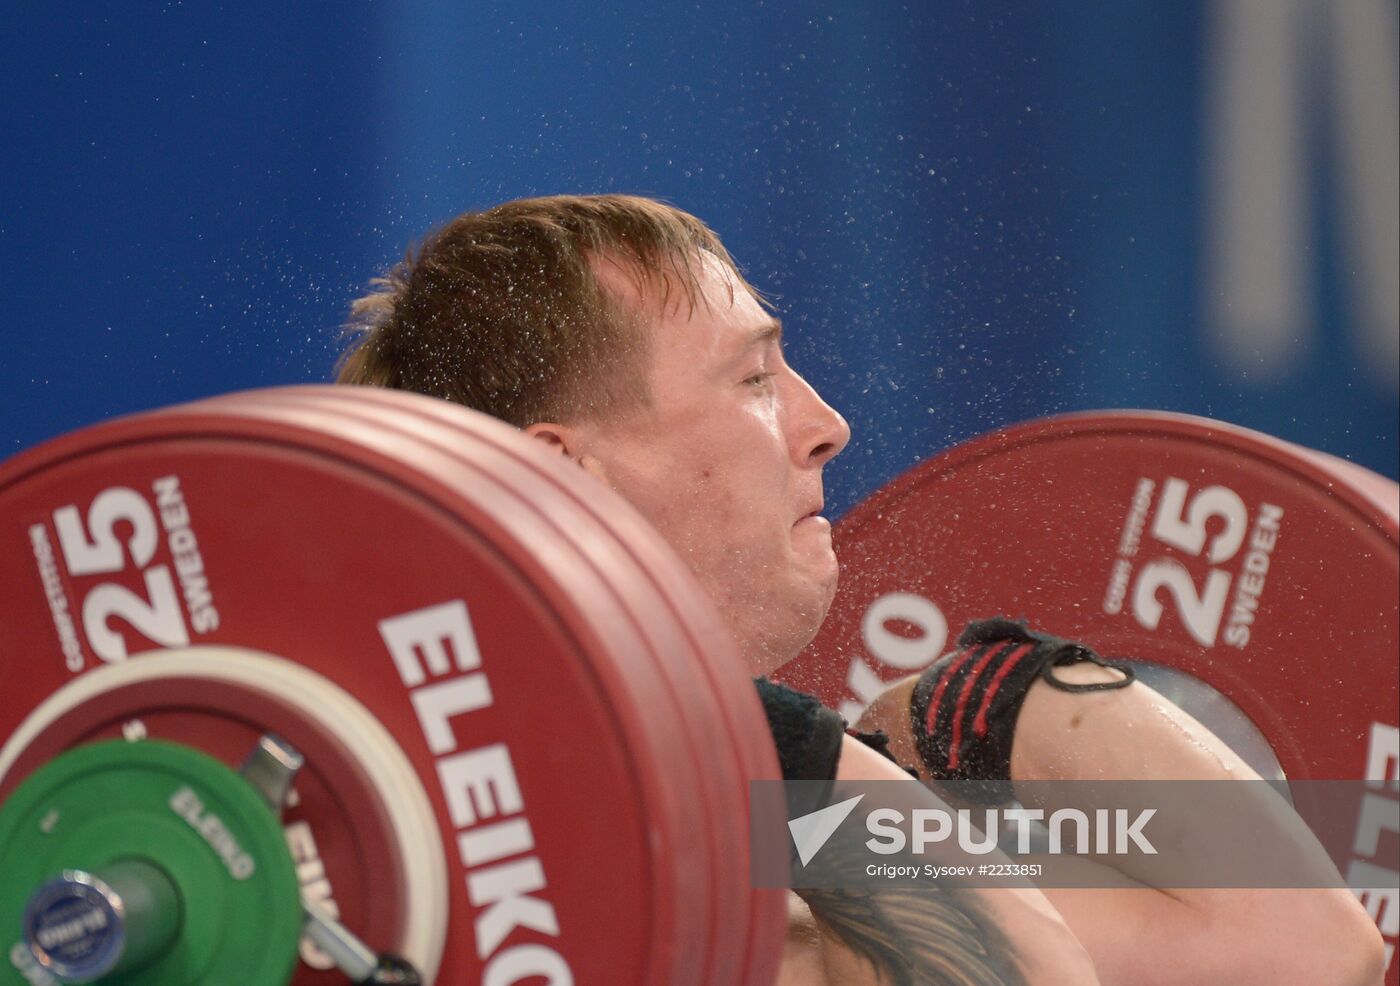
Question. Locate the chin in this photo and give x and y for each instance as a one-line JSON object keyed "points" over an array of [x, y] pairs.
{"points": [[813, 616], [826, 582], [804, 596], [769, 647]]}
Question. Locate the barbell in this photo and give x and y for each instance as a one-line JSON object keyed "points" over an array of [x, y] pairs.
{"points": [[315, 681]]}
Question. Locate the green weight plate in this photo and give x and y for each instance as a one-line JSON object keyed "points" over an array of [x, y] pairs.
{"points": [[182, 813]]}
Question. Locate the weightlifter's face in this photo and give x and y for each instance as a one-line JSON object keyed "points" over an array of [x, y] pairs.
{"points": [[726, 459]]}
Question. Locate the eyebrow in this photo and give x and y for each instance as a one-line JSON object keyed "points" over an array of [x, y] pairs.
{"points": [[770, 333]]}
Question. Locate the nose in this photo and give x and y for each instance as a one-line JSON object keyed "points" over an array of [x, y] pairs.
{"points": [[818, 432]]}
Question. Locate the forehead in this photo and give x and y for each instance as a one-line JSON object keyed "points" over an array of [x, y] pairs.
{"points": [[721, 313]]}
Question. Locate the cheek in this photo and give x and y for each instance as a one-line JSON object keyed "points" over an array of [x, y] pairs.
{"points": [[706, 499], [679, 492], [710, 514], [712, 488]]}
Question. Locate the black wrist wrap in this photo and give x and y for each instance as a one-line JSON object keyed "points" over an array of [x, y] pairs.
{"points": [[964, 707]]}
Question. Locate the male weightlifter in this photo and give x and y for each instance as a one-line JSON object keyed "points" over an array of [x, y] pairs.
{"points": [[619, 332]]}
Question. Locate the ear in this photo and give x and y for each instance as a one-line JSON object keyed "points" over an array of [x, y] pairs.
{"points": [[568, 442], [558, 438]]}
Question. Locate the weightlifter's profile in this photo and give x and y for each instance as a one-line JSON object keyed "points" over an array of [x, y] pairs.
{"points": [[619, 332]]}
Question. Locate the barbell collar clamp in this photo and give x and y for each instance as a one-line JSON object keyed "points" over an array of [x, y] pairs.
{"points": [[271, 768]]}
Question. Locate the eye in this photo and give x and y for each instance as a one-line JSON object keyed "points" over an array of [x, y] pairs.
{"points": [[759, 379]]}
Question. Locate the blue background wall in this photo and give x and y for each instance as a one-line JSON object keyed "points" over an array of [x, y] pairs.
{"points": [[968, 218]]}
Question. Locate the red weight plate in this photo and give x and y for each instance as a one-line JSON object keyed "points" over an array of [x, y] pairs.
{"points": [[707, 645], [290, 526], [712, 773], [1271, 569], [1040, 521], [1268, 572]]}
